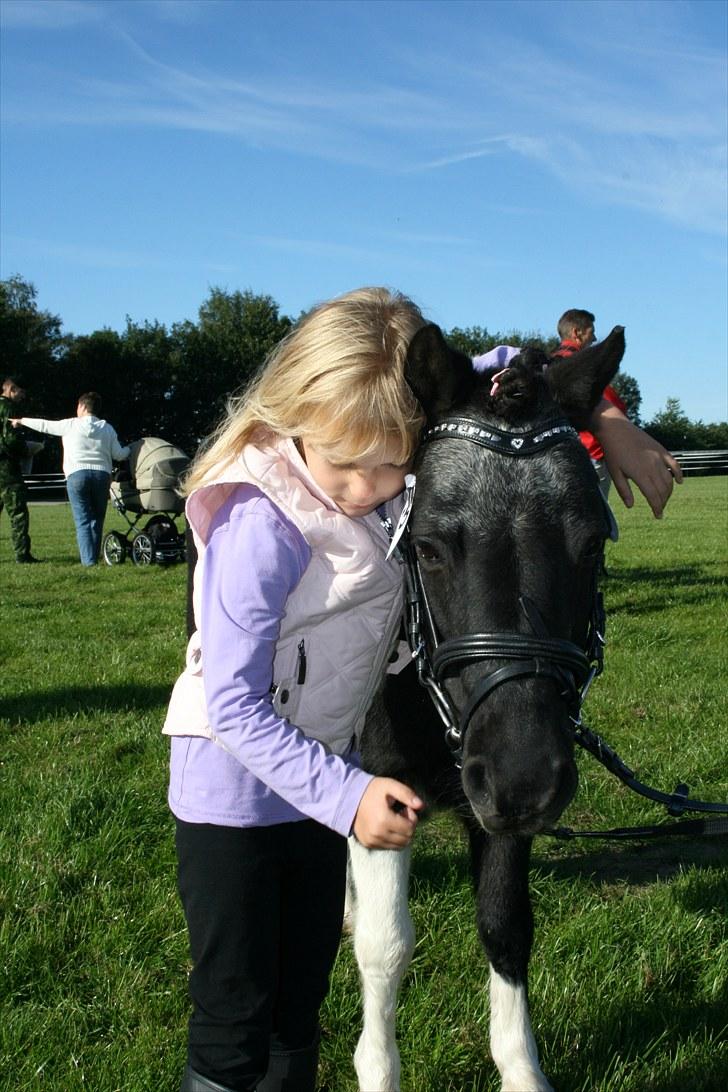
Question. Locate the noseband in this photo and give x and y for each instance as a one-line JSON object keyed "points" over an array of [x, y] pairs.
{"points": [[534, 655]]}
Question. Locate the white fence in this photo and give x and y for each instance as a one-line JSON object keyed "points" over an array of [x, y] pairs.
{"points": [[702, 462], [46, 486], [53, 486]]}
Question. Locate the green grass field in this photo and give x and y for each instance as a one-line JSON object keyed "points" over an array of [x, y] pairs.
{"points": [[629, 975]]}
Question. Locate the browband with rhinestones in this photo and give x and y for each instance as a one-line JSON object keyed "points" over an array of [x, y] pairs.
{"points": [[508, 443]]}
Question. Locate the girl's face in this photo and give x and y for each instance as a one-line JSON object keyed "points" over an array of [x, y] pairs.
{"points": [[357, 487]]}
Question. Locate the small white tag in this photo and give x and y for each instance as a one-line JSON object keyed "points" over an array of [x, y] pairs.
{"points": [[409, 496]]}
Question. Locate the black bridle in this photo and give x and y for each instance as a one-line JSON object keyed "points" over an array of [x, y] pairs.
{"points": [[528, 655], [535, 655]]}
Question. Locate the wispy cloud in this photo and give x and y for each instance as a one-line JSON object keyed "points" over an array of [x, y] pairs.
{"points": [[60, 14], [622, 123], [180, 12], [47, 15]]}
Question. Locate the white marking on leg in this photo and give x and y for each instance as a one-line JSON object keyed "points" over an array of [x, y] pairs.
{"points": [[511, 1039], [349, 900], [383, 942]]}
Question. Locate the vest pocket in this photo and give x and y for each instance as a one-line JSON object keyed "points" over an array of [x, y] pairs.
{"points": [[285, 694]]}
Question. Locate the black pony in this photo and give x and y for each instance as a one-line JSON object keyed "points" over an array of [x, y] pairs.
{"points": [[506, 538]]}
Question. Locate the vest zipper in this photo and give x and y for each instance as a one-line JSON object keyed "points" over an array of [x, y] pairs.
{"points": [[301, 671]]}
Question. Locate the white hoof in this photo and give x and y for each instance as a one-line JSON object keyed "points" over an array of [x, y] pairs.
{"points": [[377, 1074], [525, 1080]]}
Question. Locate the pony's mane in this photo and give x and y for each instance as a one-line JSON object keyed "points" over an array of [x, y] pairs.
{"points": [[520, 393]]}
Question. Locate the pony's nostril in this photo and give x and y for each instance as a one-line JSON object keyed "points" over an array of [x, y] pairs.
{"points": [[475, 781], [559, 793]]}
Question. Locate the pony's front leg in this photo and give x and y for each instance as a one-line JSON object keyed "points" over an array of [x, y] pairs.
{"points": [[505, 923], [383, 943]]}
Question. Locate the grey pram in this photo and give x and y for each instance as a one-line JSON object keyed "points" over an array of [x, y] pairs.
{"points": [[147, 485]]}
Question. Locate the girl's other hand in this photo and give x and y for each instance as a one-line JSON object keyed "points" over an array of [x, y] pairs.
{"points": [[387, 815]]}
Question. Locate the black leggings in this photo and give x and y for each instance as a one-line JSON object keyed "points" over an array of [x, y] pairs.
{"points": [[264, 908]]}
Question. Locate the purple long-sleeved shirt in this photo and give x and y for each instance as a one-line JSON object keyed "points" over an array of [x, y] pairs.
{"points": [[499, 357], [266, 771]]}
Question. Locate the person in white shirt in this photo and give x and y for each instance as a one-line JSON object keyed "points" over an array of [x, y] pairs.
{"points": [[89, 446]]}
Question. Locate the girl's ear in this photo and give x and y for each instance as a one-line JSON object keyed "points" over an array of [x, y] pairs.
{"points": [[439, 375], [577, 382]]}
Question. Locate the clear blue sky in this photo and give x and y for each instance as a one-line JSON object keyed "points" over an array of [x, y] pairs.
{"points": [[499, 162]]}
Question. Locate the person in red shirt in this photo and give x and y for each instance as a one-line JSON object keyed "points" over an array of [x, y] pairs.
{"points": [[576, 330]]}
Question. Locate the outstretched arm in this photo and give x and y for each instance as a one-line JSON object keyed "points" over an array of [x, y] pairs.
{"points": [[631, 454]]}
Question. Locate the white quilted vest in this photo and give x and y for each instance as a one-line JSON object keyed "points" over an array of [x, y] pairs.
{"points": [[343, 614]]}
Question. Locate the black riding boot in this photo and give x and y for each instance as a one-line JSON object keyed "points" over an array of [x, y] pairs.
{"points": [[292, 1070], [195, 1082]]}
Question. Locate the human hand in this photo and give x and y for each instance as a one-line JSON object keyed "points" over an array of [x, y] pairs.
{"points": [[387, 815], [16, 422], [631, 454]]}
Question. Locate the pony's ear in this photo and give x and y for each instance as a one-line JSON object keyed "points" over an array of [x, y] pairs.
{"points": [[577, 382], [439, 375]]}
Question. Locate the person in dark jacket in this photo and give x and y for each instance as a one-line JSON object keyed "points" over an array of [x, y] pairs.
{"points": [[13, 491]]}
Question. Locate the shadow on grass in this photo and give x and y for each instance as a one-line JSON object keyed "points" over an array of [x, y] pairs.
{"points": [[25, 710], [632, 1029], [443, 863], [691, 583], [639, 864], [439, 871]]}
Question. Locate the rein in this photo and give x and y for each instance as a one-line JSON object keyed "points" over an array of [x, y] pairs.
{"points": [[535, 655]]}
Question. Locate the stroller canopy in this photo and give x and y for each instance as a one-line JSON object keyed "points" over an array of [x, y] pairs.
{"points": [[156, 467]]}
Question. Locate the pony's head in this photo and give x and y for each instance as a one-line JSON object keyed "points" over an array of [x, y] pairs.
{"points": [[508, 528]]}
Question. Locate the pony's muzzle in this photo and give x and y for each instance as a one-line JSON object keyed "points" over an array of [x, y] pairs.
{"points": [[519, 805]]}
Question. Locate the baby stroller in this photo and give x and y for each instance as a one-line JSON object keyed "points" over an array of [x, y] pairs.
{"points": [[147, 484]]}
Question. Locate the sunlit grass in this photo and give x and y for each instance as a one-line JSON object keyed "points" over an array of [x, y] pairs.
{"points": [[629, 980]]}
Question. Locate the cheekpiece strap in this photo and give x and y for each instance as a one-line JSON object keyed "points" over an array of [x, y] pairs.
{"points": [[496, 439]]}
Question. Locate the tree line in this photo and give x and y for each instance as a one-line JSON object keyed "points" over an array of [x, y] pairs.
{"points": [[174, 382]]}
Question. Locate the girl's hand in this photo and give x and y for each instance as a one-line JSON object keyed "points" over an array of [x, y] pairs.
{"points": [[631, 453], [387, 815]]}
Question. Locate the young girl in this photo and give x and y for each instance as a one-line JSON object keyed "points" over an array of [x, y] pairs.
{"points": [[297, 609]]}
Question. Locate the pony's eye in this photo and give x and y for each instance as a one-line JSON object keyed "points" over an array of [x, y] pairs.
{"points": [[426, 552], [593, 548]]}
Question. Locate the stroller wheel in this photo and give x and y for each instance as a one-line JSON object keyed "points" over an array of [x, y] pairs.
{"points": [[113, 548], [142, 549]]}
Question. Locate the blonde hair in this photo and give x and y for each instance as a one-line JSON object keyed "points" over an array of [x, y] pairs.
{"points": [[336, 380]]}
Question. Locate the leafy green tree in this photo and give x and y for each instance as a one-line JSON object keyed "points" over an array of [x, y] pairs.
{"points": [[239, 330], [147, 373], [218, 356], [628, 390], [31, 343], [711, 436], [672, 427], [93, 362], [33, 348], [475, 340]]}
